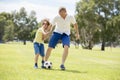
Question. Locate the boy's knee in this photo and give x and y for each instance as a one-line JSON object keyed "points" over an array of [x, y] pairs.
{"points": [[37, 54]]}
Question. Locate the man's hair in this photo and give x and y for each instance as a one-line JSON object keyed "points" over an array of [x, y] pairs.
{"points": [[62, 8]]}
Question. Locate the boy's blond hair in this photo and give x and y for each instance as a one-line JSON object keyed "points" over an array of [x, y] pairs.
{"points": [[45, 20]]}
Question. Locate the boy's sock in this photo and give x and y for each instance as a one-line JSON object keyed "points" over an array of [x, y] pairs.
{"points": [[42, 63], [36, 64]]}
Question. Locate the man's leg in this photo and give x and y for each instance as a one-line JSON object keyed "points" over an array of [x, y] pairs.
{"points": [[65, 54], [66, 44], [48, 52], [52, 43]]}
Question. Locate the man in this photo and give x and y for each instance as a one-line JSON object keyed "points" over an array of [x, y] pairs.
{"points": [[61, 32]]}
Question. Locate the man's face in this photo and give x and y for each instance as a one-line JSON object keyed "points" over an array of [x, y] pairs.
{"points": [[62, 13]]}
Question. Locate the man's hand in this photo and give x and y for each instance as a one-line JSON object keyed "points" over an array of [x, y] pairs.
{"points": [[77, 32], [77, 36]]}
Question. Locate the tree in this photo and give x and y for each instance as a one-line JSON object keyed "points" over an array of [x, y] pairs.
{"points": [[33, 25], [6, 27], [2, 24], [113, 31], [94, 17], [8, 31], [24, 24], [106, 9], [87, 20]]}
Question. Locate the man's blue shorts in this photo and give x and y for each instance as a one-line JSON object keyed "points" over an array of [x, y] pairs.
{"points": [[39, 48], [56, 37]]}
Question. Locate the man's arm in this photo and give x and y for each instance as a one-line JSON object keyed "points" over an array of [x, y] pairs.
{"points": [[77, 31]]}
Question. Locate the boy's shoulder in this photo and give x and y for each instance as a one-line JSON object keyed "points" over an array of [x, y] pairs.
{"points": [[40, 30]]}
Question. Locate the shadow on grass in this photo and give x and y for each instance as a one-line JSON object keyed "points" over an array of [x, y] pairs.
{"points": [[72, 71]]}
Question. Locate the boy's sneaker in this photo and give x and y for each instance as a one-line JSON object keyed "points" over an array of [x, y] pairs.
{"points": [[43, 67], [62, 67], [35, 67], [42, 64]]}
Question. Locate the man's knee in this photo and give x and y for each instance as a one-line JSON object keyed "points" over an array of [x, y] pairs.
{"points": [[49, 49], [66, 46]]}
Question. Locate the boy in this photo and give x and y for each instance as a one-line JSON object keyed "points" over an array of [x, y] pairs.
{"points": [[40, 36]]}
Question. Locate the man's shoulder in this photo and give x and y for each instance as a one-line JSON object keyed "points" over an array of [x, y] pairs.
{"points": [[70, 16], [57, 16]]}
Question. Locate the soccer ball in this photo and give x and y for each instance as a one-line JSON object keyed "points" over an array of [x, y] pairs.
{"points": [[48, 64]]}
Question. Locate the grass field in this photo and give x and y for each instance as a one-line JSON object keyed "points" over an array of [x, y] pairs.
{"points": [[17, 60]]}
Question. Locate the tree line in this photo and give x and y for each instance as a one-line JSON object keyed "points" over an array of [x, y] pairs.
{"points": [[98, 21], [18, 25]]}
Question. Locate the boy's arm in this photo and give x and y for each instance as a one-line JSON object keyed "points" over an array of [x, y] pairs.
{"points": [[49, 29], [46, 32], [43, 36]]}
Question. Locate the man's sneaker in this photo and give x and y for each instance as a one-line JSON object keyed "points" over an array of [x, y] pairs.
{"points": [[62, 67], [35, 67]]}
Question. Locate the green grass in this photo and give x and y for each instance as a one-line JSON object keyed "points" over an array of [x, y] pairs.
{"points": [[17, 60]]}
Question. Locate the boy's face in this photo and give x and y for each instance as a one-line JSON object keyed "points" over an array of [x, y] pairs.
{"points": [[45, 25]]}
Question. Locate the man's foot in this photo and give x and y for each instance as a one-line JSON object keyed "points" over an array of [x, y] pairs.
{"points": [[35, 67], [62, 67]]}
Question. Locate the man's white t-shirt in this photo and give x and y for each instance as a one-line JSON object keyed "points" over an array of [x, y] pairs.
{"points": [[63, 25]]}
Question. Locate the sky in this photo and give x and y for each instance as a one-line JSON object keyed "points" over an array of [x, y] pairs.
{"points": [[43, 8]]}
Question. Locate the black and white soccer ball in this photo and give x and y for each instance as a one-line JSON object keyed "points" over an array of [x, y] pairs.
{"points": [[48, 64]]}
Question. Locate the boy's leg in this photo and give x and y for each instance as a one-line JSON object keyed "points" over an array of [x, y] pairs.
{"points": [[36, 48], [36, 57], [43, 59], [42, 54], [36, 60], [42, 62]]}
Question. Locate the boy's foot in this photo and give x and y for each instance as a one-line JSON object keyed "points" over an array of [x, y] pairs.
{"points": [[42, 64], [62, 67], [43, 67], [35, 67]]}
